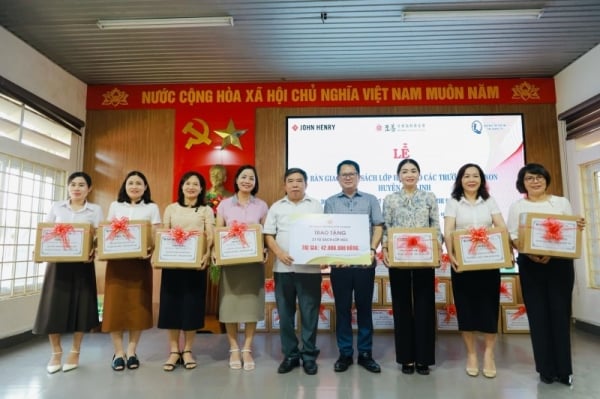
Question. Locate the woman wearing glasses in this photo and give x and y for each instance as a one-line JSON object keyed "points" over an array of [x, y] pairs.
{"points": [[546, 283]]}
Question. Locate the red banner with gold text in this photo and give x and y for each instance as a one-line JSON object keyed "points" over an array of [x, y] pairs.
{"points": [[214, 123]]}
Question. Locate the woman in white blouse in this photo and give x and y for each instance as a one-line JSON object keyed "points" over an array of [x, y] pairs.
{"points": [[546, 283], [128, 287], [477, 292], [69, 301]]}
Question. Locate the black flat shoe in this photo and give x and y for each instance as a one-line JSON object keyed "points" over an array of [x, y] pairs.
{"points": [[310, 367], [546, 379], [408, 368], [366, 360], [568, 380], [133, 362], [342, 363], [288, 364], [118, 363], [422, 369]]}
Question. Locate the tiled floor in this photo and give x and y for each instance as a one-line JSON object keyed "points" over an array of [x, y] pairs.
{"points": [[23, 374]]}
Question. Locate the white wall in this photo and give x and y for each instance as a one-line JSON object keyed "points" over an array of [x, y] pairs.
{"points": [[575, 84], [32, 71]]}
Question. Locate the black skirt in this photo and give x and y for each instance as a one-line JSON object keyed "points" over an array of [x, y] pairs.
{"points": [[69, 300], [182, 299], [477, 300]]}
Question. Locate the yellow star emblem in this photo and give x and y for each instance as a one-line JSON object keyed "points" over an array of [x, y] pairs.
{"points": [[231, 135]]}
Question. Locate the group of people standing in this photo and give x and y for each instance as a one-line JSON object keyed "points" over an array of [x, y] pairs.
{"points": [[68, 302]]}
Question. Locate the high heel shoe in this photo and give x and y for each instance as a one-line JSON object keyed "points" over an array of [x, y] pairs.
{"points": [[472, 368], [489, 367], [53, 367], [248, 365], [188, 365], [69, 365], [234, 364], [167, 366]]}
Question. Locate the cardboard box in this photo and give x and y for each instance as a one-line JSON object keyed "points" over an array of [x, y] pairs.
{"points": [[326, 291], [514, 319], [269, 290], [171, 254], [124, 239], [414, 247], [261, 325], [386, 294], [549, 235], [238, 244], [326, 318], [495, 253], [383, 318], [446, 320], [508, 290], [377, 293], [443, 286], [445, 267], [63, 242], [273, 318]]}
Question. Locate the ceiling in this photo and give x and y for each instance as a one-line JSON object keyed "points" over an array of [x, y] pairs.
{"points": [[281, 40]]}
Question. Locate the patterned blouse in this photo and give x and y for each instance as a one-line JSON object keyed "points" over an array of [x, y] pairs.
{"points": [[417, 210]]}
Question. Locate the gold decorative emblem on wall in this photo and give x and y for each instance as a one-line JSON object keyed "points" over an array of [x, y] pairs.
{"points": [[231, 135], [115, 97], [525, 91]]}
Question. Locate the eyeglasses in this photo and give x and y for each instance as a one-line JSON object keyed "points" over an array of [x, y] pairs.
{"points": [[348, 175], [530, 179]]}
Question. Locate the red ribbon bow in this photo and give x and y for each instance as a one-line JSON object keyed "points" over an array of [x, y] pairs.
{"points": [[119, 226], [269, 285], [445, 262], [411, 242], [522, 311], [479, 236], [554, 229], [180, 235], [390, 312], [450, 312], [237, 230], [322, 314], [504, 290], [326, 288], [62, 231]]}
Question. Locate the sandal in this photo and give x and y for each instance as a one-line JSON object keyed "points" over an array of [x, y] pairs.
{"points": [[167, 366], [118, 363], [248, 365], [234, 364], [133, 362], [188, 365]]}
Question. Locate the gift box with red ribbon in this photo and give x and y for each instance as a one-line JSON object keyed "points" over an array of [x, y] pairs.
{"points": [[549, 235], [177, 248], [238, 243], [122, 238], [482, 249], [63, 242], [413, 247], [446, 318], [514, 319]]}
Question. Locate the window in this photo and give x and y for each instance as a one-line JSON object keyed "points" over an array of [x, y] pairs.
{"points": [[28, 188], [20, 123], [591, 201]]}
